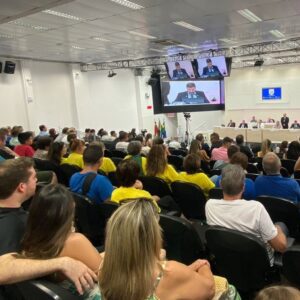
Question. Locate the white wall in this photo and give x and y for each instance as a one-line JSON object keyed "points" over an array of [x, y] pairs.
{"points": [[243, 90]]}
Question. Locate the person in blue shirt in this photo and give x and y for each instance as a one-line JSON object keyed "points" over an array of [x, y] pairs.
{"points": [[273, 184], [241, 159], [100, 188]]}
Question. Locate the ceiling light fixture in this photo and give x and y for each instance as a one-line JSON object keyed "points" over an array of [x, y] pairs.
{"points": [[7, 36], [62, 15], [31, 26], [128, 4], [249, 15], [277, 33], [98, 38], [227, 41], [78, 48], [188, 26], [142, 35]]}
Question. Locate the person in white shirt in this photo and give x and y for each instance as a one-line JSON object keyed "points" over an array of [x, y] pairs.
{"points": [[123, 141], [242, 215]]}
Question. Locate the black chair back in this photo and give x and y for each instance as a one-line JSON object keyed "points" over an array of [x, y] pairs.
{"points": [[252, 176], [282, 210], [181, 241], [284, 172], [176, 162], [113, 179], [216, 193], [155, 186], [297, 174], [47, 165], [289, 164], [251, 168], [179, 152], [259, 164], [118, 153], [190, 199], [116, 160], [107, 153], [241, 258], [67, 172], [291, 265], [44, 290]]}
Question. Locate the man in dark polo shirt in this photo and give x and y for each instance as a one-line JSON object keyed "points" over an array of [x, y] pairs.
{"points": [[17, 184]]}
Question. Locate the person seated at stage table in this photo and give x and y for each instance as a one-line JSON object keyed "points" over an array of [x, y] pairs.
{"points": [[179, 73], [295, 125], [192, 96], [231, 124], [253, 122], [243, 124]]}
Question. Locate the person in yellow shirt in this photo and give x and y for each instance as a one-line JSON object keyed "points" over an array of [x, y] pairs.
{"points": [[191, 165], [134, 152], [157, 165], [107, 166], [75, 157]]}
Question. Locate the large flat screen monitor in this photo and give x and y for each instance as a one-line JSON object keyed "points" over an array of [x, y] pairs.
{"points": [[212, 67], [180, 70]]}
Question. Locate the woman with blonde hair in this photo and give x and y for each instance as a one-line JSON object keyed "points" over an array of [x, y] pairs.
{"points": [[133, 268], [278, 293], [265, 148], [157, 165]]}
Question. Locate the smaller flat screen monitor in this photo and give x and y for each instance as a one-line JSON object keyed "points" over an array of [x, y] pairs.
{"points": [[271, 93], [212, 67], [180, 70]]}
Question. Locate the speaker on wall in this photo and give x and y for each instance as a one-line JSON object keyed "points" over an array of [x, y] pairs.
{"points": [[9, 67]]}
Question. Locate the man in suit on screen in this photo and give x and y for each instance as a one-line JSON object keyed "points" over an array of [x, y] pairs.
{"points": [[179, 73], [191, 96], [210, 70], [285, 122]]}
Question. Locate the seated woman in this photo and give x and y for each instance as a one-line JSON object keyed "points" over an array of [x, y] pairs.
{"points": [[49, 232], [56, 152], [157, 165], [134, 152], [159, 141], [196, 148], [43, 146], [241, 159], [265, 148], [191, 165], [133, 267], [75, 157], [293, 151]]}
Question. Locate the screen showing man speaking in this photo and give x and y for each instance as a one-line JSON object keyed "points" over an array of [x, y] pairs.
{"points": [[190, 92]]}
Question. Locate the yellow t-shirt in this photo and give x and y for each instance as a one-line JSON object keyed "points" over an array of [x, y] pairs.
{"points": [[74, 159], [169, 175], [144, 162], [199, 179], [107, 165], [123, 193]]}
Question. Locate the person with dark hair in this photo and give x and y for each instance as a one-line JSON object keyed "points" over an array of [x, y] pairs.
{"points": [[52, 133], [160, 141], [243, 124], [14, 141], [62, 135], [75, 157], [50, 234], [43, 131], [122, 142], [221, 152], [241, 159], [203, 144], [157, 165], [88, 182], [210, 70], [295, 125], [43, 146], [283, 148], [56, 152], [192, 174], [243, 148], [293, 151], [134, 152], [5, 152], [215, 141], [26, 140], [285, 121], [179, 73], [235, 213], [17, 184], [231, 124], [273, 184], [192, 96], [87, 133]]}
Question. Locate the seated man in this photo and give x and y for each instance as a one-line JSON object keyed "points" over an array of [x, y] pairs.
{"points": [[231, 124], [295, 125], [26, 140], [243, 148], [247, 216], [17, 184], [87, 182], [243, 124], [273, 184], [221, 153], [192, 96]]}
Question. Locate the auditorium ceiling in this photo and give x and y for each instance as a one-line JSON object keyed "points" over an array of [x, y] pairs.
{"points": [[90, 31]]}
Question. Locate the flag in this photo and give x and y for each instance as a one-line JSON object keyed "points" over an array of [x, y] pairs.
{"points": [[163, 132], [156, 129]]}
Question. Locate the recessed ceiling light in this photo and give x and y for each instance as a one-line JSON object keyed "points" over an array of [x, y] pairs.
{"points": [[227, 41], [62, 15], [98, 38], [78, 48], [7, 36], [31, 26], [277, 33], [249, 15], [128, 4], [188, 26], [142, 35], [156, 50]]}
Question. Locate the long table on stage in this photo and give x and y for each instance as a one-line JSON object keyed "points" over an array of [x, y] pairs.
{"points": [[258, 135]]}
